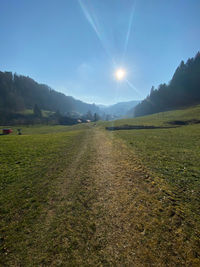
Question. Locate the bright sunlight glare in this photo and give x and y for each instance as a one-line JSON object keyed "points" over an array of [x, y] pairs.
{"points": [[120, 74]]}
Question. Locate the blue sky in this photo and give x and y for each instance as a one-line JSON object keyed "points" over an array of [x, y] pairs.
{"points": [[75, 46]]}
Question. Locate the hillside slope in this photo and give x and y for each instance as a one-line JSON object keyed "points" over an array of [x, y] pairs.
{"points": [[18, 92], [182, 90], [161, 118]]}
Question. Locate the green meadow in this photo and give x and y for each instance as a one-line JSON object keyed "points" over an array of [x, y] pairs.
{"points": [[172, 153], [50, 179], [172, 156], [29, 167], [160, 119]]}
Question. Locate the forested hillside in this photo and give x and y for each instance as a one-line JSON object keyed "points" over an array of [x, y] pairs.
{"points": [[182, 90], [18, 92]]}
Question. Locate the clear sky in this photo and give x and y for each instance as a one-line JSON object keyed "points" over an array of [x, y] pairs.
{"points": [[74, 46]]}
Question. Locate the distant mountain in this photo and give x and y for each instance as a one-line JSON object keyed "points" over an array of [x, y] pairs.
{"points": [[183, 90], [18, 93], [121, 109]]}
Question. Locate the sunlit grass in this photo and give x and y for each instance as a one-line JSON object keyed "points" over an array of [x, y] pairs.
{"points": [[69, 192], [159, 119], [173, 156], [29, 168]]}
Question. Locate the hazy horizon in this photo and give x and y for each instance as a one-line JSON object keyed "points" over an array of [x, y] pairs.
{"points": [[76, 46]]}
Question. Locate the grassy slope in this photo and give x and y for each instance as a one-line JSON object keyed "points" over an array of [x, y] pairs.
{"points": [[171, 153], [45, 113], [160, 119]]}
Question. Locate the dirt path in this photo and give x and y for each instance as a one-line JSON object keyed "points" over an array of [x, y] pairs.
{"points": [[124, 197]]}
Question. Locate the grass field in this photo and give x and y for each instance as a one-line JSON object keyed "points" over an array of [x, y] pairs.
{"points": [[45, 129], [83, 196], [171, 153], [173, 156], [160, 119], [28, 166], [45, 113]]}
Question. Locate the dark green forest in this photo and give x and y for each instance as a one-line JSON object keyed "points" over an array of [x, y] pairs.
{"points": [[183, 90], [18, 93]]}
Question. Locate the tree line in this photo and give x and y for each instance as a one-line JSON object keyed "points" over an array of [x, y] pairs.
{"points": [[18, 93], [183, 90]]}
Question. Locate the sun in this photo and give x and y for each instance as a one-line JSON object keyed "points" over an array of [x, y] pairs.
{"points": [[120, 74]]}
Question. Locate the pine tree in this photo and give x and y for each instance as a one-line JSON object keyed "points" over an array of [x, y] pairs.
{"points": [[37, 111]]}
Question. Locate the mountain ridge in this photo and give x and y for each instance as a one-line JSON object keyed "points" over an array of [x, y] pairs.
{"points": [[120, 109]]}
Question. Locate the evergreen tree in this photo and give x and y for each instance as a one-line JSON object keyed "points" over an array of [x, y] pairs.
{"points": [[37, 111], [96, 117]]}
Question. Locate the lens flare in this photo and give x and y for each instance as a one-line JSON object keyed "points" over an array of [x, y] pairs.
{"points": [[129, 28], [120, 74]]}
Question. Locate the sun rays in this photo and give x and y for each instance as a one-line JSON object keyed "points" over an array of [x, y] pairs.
{"points": [[120, 74]]}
